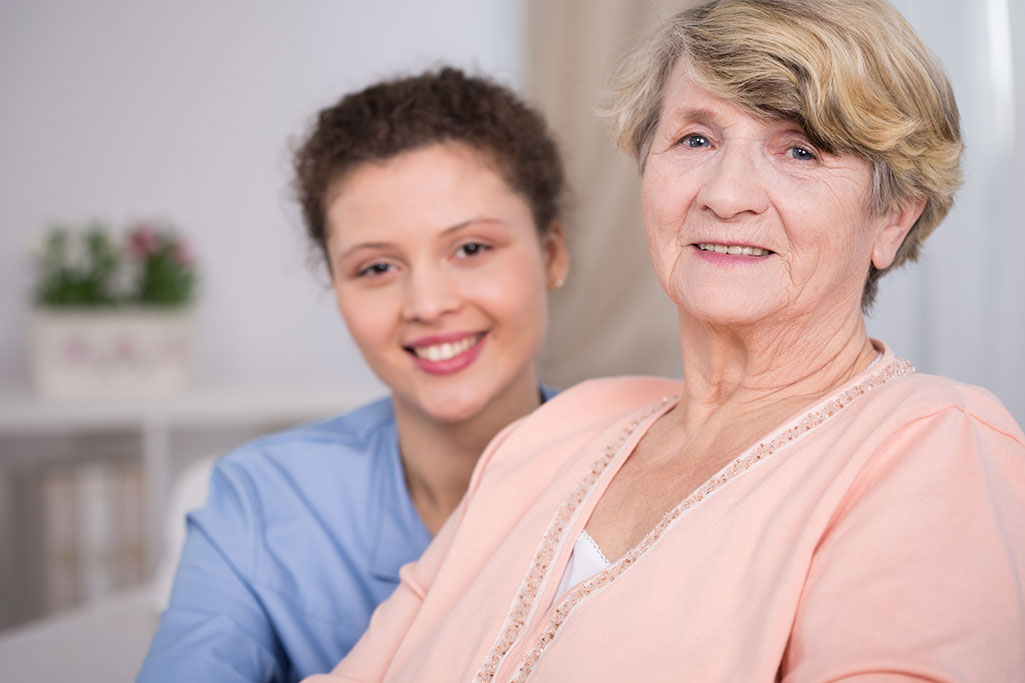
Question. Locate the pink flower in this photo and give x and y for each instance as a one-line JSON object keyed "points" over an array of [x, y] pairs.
{"points": [[144, 241], [183, 255]]}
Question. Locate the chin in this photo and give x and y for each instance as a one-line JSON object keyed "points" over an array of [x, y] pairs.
{"points": [[733, 318], [454, 410], [720, 312], [730, 309]]}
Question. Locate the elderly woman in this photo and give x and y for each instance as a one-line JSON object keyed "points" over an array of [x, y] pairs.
{"points": [[804, 507]]}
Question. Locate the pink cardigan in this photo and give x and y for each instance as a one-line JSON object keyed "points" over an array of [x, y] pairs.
{"points": [[881, 533]]}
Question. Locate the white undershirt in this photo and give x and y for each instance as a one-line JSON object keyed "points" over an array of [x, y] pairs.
{"points": [[587, 559]]}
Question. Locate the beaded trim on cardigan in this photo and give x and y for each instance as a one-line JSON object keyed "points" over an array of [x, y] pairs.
{"points": [[528, 592], [522, 604]]}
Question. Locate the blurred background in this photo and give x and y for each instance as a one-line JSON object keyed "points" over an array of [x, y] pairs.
{"points": [[184, 113]]}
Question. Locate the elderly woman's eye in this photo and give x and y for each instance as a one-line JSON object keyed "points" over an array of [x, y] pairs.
{"points": [[801, 154], [694, 140]]}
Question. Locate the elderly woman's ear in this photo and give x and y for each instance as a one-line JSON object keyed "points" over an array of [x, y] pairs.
{"points": [[897, 225]]}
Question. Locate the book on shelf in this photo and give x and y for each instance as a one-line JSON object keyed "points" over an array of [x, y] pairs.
{"points": [[92, 530]]}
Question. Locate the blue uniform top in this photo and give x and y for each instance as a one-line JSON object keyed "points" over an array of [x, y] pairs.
{"points": [[302, 536]]}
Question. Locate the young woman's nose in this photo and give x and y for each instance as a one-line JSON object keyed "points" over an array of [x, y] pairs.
{"points": [[733, 183], [429, 294]]}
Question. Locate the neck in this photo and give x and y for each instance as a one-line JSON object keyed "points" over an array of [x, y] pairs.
{"points": [[778, 369], [439, 456]]}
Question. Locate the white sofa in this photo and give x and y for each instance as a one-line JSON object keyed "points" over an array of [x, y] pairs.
{"points": [[106, 640]]}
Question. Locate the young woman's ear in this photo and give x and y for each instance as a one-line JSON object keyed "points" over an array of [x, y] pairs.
{"points": [[553, 244], [891, 235]]}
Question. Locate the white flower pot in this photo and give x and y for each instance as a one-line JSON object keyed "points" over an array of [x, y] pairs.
{"points": [[118, 353]]}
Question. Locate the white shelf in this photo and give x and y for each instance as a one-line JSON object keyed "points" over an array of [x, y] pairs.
{"points": [[212, 406]]}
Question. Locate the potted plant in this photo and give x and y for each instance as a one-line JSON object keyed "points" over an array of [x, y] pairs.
{"points": [[112, 317]]}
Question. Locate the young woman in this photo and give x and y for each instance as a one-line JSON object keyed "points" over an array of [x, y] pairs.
{"points": [[435, 201]]}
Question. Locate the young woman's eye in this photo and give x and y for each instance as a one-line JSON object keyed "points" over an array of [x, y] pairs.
{"points": [[694, 140], [374, 270], [800, 153], [471, 249]]}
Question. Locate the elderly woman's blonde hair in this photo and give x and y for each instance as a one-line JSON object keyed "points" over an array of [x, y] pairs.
{"points": [[853, 73]]}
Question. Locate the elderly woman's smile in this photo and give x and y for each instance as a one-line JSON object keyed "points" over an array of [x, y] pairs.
{"points": [[747, 219], [732, 249]]}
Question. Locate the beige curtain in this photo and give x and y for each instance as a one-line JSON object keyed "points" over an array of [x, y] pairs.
{"points": [[612, 317]]}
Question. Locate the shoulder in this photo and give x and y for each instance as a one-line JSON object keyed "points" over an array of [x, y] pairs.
{"points": [[324, 477], [923, 490], [920, 396], [918, 435], [603, 398], [356, 434], [596, 402], [577, 414], [353, 429], [320, 459]]}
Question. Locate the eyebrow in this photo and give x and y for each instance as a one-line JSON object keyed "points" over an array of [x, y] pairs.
{"points": [[705, 117], [700, 116], [447, 231], [470, 221]]}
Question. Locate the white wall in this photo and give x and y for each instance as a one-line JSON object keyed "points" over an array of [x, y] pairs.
{"points": [[119, 109]]}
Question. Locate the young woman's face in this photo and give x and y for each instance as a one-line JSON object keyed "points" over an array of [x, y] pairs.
{"points": [[442, 278]]}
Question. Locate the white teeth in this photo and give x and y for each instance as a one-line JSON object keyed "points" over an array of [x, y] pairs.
{"points": [[445, 350], [733, 249]]}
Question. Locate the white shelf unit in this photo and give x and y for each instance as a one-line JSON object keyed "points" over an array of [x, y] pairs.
{"points": [[220, 412]]}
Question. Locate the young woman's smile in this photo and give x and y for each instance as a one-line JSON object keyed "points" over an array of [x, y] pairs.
{"points": [[446, 353], [442, 277]]}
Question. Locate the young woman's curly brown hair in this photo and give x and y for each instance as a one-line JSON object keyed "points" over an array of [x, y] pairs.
{"points": [[444, 106]]}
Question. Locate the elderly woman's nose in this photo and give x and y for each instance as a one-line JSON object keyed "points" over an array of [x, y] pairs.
{"points": [[429, 294], [732, 184]]}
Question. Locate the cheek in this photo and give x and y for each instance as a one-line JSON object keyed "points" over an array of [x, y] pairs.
{"points": [[834, 218], [370, 319], [514, 294], [654, 196], [668, 189], [663, 222], [828, 247]]}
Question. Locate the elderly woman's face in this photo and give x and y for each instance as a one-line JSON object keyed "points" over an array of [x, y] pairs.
{"points": [[746, 221]]}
